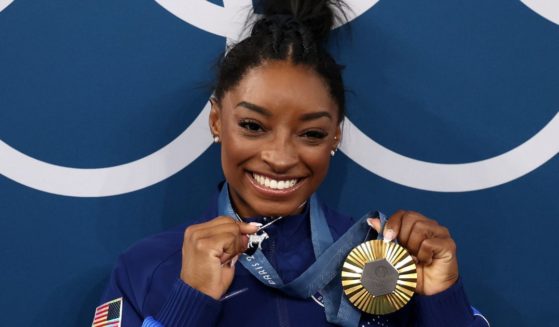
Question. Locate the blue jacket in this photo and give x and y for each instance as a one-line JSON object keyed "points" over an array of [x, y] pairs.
{"points": [[146, 277]]}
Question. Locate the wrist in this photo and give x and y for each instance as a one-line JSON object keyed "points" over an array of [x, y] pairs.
{"points": [[434, 287], [201, 286]]}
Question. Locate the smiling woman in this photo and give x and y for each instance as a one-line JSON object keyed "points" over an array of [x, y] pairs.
{"points": [[277, 111]]}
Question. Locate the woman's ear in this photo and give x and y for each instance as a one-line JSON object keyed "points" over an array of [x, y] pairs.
{"points": [[215, 119]]}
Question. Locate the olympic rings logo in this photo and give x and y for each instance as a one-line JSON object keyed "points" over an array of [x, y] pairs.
{"points": [[227, 21]]}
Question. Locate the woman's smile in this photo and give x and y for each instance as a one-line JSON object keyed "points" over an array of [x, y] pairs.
{"points": [[274, 186]]}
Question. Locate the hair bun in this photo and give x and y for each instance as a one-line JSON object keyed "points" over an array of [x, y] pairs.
{"points": [[315, 16], [273, 23]]}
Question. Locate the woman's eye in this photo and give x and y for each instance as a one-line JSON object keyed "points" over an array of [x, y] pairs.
{"points": [[318, 135], [251, 126]]}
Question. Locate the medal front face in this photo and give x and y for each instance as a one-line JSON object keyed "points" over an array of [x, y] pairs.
{"points": [[379, 277]]}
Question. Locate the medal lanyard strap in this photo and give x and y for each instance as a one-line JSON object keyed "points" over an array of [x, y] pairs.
{"points": [[258, 264], [328, 258], [323, 275]]}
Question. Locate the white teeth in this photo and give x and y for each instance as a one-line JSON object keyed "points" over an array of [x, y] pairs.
{"points": [[274, 184]]}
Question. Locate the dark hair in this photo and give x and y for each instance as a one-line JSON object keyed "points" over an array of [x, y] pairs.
{"points": [[294, 30]]}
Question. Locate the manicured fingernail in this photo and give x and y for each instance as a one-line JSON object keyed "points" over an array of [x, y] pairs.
{"points": [[374, 223], [255, 224], [233, 261], [388, 235]]}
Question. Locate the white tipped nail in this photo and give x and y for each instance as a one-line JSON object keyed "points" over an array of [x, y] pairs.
{"points": [[371, 223], [388, 235], [255, 224], [374, 223]]}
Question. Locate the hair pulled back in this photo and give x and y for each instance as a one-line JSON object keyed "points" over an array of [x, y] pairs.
{"points": [[294, 30]]}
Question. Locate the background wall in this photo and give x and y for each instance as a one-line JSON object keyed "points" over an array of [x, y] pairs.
{"points": [[453, 111]]}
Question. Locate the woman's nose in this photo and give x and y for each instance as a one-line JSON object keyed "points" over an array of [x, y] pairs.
{"points": [[280, 156]]}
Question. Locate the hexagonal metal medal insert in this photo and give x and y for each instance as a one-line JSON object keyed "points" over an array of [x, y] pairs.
{"points": [[379, 277]]}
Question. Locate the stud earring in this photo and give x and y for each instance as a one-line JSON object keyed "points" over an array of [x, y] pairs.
{"points": [[216, 139]]}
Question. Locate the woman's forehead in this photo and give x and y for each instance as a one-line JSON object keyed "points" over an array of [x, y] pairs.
{"points": [[283, 84]]}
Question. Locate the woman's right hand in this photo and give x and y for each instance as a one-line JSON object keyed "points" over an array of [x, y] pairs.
{"points": [[209, 253]]}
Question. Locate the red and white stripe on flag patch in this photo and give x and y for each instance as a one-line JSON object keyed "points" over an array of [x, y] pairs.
{"points": [[108, 314]]}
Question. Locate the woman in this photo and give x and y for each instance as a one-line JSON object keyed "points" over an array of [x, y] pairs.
{"points": [[277, 112]]}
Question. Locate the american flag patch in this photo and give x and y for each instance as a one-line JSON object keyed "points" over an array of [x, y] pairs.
{"points": [[108, 314]]}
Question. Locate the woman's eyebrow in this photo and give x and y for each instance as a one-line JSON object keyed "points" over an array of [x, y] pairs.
{"points": [[254, 107], [315, 115], [265, 112]]}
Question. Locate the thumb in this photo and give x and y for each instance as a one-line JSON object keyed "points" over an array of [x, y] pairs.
{"points": [[388, 233], [249, 228]]}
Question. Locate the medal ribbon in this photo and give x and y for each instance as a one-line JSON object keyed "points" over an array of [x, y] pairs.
{"points": [[324, 274]]}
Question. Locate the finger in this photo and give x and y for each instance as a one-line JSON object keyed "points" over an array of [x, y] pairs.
{"points": [[231, 263], [249, 228], [374, 223], [220, 220], [214, 231], [221, 247], [407, 223], [236, 247], [436, 248], [222, 241], [239, 243], [392, 226], [389, 235], [421, 230], [220, 224]]}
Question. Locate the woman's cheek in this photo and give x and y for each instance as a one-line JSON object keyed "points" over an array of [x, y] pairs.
{"points": [[318, 160]]}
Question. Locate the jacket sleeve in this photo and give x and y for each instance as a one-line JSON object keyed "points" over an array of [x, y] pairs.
{"points": [[448, 308], [185, 306], [119, 286]]}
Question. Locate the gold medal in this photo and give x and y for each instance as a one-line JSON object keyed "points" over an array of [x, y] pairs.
{"points": [[379, 277]]}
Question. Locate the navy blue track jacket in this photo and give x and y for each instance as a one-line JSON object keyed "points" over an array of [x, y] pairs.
{"points": [[146, 277]]}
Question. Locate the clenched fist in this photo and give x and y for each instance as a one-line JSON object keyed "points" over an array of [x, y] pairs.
{"points": [[431, 246], [209, 253]]}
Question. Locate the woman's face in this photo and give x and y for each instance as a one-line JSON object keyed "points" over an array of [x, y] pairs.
{"points": [[277, 128]]}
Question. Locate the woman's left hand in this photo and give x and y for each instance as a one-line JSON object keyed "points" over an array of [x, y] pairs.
{"points": [[431, 246]]}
